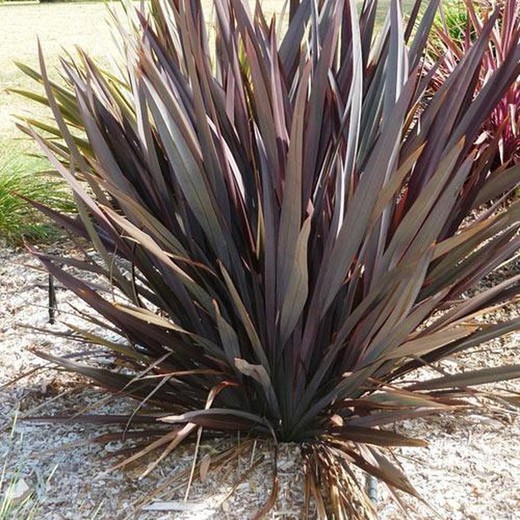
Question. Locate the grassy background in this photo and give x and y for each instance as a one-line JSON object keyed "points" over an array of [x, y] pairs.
{"points": [[59, 26]]}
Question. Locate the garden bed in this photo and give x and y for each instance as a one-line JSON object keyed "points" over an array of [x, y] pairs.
{"points": [[470, 470]]}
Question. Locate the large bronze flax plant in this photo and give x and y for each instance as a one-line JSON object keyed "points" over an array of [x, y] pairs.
{"points": [[285, 208]]}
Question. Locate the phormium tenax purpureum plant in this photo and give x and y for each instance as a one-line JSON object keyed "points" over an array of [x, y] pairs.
{"points": [[285, 212], [447, 50]]}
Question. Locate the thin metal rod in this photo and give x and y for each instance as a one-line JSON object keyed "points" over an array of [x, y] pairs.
{"points": [[53, 303]]}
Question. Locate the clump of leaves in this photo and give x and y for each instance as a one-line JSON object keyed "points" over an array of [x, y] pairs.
{"points": [[448, 49], [452, 19], [287, 217], [19, 220]]}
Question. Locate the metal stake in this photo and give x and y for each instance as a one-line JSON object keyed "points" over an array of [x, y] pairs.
{"points": [[53, 304]]}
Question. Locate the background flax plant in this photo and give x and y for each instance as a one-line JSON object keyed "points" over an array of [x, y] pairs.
{"points": [[448, 48], [286, 213]]}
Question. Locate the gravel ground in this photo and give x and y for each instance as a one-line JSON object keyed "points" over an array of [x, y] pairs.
{"points": [[469, 471]]}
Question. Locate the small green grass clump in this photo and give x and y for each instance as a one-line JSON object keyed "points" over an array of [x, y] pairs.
{"points": [[453, 19], [16, 503], [10, 506], [19, 220]]}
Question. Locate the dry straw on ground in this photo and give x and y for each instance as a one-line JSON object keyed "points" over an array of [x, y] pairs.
{"points": [[470, 470]]}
